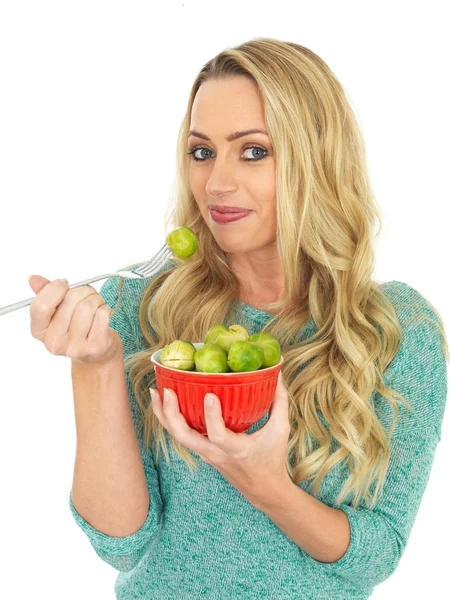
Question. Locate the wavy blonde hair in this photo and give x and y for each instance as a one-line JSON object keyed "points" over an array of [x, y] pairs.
{"points": [[326, 211]]}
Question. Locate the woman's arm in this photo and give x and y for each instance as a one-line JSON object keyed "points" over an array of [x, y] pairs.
{"points": [[109, 487]]}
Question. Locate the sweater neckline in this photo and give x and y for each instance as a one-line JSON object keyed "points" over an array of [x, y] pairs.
{"points": [[256, 314], [252, 310]]}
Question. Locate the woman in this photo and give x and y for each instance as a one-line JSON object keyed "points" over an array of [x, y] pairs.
{"points": [[322, 501]]}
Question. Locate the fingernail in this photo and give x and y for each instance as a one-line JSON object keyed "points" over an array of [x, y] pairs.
{"points": [[28, 278], [166, 395], [152, 394], [209, 400], [65, 281]]}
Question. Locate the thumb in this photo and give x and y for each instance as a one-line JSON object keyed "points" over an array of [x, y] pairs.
{"points": [[37, 283], [281, 400]]}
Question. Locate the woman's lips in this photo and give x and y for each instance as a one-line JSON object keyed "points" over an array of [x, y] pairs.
{"points": [[228, 217]]}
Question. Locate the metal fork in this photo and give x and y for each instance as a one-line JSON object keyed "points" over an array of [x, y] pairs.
{"points": [[148, 269]]}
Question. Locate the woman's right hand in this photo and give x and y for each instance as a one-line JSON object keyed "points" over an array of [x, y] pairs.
{"points": [[73, 322]]}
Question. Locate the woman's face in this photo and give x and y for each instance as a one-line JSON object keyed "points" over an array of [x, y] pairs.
{"points": [[222, 176]]}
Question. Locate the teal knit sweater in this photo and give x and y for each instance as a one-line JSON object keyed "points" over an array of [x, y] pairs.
{"points": [[203, 539]]}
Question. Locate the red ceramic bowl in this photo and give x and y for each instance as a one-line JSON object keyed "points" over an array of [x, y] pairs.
{"points": [[244, 396]]}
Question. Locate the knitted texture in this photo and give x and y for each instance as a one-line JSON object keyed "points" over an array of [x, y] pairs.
{"points": [[203, 539]]}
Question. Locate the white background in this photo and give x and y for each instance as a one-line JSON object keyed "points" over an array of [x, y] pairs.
{"points": [[92, 96]]}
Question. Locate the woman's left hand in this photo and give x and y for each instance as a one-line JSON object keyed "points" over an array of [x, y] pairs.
{"points": [[252, 463]]}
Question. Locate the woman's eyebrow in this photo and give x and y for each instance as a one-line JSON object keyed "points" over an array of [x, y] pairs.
{"points": [[231, 137]]}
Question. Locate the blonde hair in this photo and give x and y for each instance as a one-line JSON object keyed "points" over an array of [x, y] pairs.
{"points": [[326, 211]]}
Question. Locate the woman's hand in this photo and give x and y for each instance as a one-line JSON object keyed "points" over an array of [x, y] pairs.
{"points": [[252, 463], [73, 322]]}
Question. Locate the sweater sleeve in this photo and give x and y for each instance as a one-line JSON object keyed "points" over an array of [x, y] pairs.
{"points": [[379, 535], [123, 553]]}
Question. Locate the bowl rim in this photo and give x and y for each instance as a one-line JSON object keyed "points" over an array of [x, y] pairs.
{"points": [[201, 373]]}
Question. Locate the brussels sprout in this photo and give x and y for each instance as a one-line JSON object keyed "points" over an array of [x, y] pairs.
{"points": [[178, 355], [270, 346], [182, 241], [214, 332], [241, 330], [245, 356], [211, 358], [224, 337]]}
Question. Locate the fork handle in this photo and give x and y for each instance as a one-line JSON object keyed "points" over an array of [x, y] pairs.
{"points": [[11, 307]]}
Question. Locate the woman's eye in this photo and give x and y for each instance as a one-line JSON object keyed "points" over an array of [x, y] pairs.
{"points": [[260, 153]]}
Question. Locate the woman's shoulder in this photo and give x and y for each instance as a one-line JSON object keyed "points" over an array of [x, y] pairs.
{"points": [[418, 371], [133, 289], [398, 289], [408, 302], [125, 300]]}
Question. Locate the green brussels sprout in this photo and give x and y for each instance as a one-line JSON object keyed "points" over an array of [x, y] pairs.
{"points": [[245, 356], [214, 332], [270, 346], [211, 358], [178, 355], [241, 330], [225, 337], [182, 241]]}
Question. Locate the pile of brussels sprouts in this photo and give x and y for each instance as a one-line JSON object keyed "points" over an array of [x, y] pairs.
{"points": [[225, 349]]}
